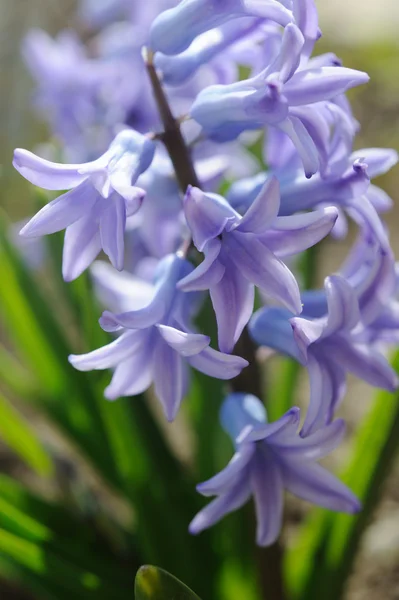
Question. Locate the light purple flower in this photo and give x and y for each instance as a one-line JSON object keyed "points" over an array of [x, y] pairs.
{"points": [[102, 195], [349, 190], [243, 252], [247, 36], [281, 96], [271, 458], [157, 345], [173, 31], [329, 346]]}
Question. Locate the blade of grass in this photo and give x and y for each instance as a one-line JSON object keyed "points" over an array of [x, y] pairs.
{"points": [[19, 436]]}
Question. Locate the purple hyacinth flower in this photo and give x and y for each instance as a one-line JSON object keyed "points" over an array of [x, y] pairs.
{"points": [[157, 345], [176, 70], [281, 96], [242, 252], [271, 458], [349, 191], [101, 196], [173, 31], [330, 347]]}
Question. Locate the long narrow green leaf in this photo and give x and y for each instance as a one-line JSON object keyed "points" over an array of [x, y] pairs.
{"points": [[19, 436], [66, 394], [329, 541], [44, 562]]}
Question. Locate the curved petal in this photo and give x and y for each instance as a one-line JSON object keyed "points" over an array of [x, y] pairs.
{"points": [[315, 446], [267, 488], [185, 344], [262, 268], [218, 365], [315, 85], [220, 483], [120, 291], [327, 388], [207, 215], [46, 174], [236, 497], [343, 306], [112, 231], [108, 356], [379, 160], [294, 234], [316, 485], [208, 273], [82, 245], [233, 301], [271, 327], [303, 142], [62, 212], [168, 378], [264, 209], [285, 428], [289, 56], [364, 362], [133, 376], [135, 319]]}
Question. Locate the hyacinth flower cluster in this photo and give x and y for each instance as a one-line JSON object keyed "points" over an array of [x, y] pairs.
{"points": [[172, 122]]}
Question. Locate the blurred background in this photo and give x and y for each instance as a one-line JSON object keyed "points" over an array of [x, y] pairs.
{"points": [[364, 33]]}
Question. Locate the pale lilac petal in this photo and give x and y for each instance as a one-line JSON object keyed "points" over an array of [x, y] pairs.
{"points": [[185, 344], [218, 365], [343, 306], [62, 212], [327, 388], [306, 17], [82, 245], [316, 485], [379, 287], [236, 497], [168, 378], [379, 199], [120, 291], [303, 142], [263, 269], [207, 215], [364, 362], [315, 85], [271, 327], [233, 301], [285, 428], [294, 234], [112, 231], [136, 319], [46, 174], [289, 56], [208, 273], [268, 9], [267, 488], [263, 210], [110, 355], [306, 333], [364, 213], [379, 160], [220, 483], [133, 376], [133, 201], [313, 447]]}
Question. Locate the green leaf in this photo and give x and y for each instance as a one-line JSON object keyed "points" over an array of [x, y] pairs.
{"points": [[19, 436], [155, 584]]}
